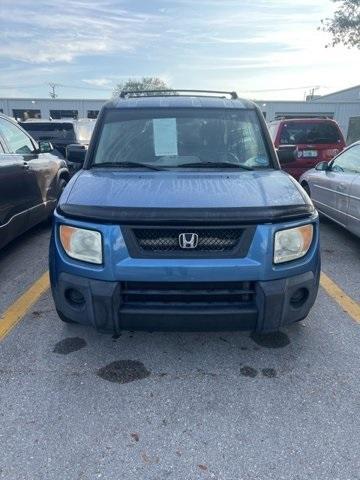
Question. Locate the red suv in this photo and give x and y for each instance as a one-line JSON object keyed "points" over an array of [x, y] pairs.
{"points": [[313, 139]]}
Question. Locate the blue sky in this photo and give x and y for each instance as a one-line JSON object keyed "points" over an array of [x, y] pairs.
{"points": [[259, 48]]}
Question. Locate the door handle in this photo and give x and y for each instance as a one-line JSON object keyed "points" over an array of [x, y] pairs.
{"points": [[341, 187], [26, 165]]}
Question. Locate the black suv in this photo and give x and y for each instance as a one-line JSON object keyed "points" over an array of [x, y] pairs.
{"points": [[61, 133], [31, 180]]}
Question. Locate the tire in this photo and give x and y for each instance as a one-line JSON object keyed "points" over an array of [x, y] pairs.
{"points": [[61, 186], [63, 318]]}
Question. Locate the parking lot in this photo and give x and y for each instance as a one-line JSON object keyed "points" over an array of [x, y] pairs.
{"points": [[76, 404]]}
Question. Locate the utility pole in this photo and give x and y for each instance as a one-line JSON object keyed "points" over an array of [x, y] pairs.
{"points": [[52, 93]]}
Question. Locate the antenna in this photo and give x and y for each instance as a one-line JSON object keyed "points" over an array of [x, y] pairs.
{"points": [[52, 93]]}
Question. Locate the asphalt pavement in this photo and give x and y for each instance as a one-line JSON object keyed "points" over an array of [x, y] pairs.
{"points": [[79, 405]]}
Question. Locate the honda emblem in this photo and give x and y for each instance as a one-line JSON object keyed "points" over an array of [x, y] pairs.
{"points": [[188, 240]]}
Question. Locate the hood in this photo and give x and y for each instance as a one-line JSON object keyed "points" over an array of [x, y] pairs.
{"points": [[113, 191]]}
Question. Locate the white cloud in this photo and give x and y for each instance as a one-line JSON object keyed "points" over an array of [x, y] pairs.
{"points": [[46, 32], [209, 44], [98, 82]]}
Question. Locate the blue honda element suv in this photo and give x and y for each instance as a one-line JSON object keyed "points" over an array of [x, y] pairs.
{"points": [[181, 218]]}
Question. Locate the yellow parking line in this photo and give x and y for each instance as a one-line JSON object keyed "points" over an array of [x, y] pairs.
{"points": [[349, 305], [18, 309]]}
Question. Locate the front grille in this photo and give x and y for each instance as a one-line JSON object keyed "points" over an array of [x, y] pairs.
{"points": [[198, 294], [167, 239]]}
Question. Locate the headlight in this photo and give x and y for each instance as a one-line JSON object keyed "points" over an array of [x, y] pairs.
{"points": [[292, 243], [85, 245]]}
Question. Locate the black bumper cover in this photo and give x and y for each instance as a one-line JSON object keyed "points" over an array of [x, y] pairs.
{"points": [[102, 307]]}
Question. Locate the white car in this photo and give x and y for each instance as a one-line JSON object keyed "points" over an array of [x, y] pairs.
{"points": [[334, 188]]}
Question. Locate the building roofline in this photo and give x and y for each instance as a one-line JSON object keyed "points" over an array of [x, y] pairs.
{"points": [[47, 99], [337, 91]]}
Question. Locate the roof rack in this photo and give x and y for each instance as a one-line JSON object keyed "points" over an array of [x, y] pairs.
{"points": [[159, 93], [301, 116]]}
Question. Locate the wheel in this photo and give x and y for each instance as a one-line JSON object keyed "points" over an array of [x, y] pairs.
{"points": [[61, 186], [306, 188], [63, 318]]}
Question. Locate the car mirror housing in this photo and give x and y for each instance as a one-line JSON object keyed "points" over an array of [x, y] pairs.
{"points": [[286, 153], [322, 166], [76, 153], [45, 146]]}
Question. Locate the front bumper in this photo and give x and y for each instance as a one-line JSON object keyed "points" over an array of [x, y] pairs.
{"points": [[271, 305]]}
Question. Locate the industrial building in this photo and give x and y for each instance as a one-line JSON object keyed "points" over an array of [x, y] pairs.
{"points": [[343, 106]]}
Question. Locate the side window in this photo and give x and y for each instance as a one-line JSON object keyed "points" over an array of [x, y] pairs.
{"points": [[17, 140], [348, 161]]}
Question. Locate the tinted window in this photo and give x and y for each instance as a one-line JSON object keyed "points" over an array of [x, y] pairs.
{"points": [[348, 161], [92, 113], [294, 133], [50, 131], [25, 114], [17, 141], [174, 137], [57, 114]]}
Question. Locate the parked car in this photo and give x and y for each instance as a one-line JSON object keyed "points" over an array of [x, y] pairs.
{"points": [[335, 188], [63, 134], [181, 218], [313, 140], [31, 180]]}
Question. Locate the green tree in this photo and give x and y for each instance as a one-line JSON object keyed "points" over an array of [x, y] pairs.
{"points": [[345, 24], [145, 83]]}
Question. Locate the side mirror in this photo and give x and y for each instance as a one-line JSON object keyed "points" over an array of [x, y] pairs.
{"points": [[322, 167], [45, 146], [75, 153], [286, 153]]}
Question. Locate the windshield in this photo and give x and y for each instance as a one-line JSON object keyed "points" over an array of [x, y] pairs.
{"points": [[313, 132], [182, 137], [50, 131]]}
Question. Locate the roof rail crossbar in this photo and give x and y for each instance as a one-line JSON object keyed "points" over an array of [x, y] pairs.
{"points": [[301, 116], [156, 93]]}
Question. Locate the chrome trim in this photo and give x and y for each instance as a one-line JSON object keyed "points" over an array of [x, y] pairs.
{"points": [[336, 210], [25, 211], [337, 191]]}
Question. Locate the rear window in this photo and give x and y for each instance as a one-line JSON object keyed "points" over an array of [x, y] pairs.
{"points": [[50, 131], [295, 133], [170, 138]]}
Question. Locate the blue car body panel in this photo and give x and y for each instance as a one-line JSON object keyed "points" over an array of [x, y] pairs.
{"points": [[168, 189]]}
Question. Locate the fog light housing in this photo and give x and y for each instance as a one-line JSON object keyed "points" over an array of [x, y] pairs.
{"points": [[74, 297], [299, 297]]}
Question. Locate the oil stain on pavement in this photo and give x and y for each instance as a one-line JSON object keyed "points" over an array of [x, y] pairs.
{"points": [[123, 371], [247, 371], [271, 340], [69, 345], [251, 372]]}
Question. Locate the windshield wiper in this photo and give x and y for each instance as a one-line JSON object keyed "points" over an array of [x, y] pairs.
{"points": [[125, 165], [215, 165]]}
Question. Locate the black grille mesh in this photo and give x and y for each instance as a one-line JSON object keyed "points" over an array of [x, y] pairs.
{"points": [[167, 239], [190, 294]]}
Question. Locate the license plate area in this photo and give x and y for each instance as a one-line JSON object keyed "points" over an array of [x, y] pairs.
{"points": [[309, 153]]}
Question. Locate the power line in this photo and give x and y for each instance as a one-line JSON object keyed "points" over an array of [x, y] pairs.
{"points": [[76, 87], [282, 89]]}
